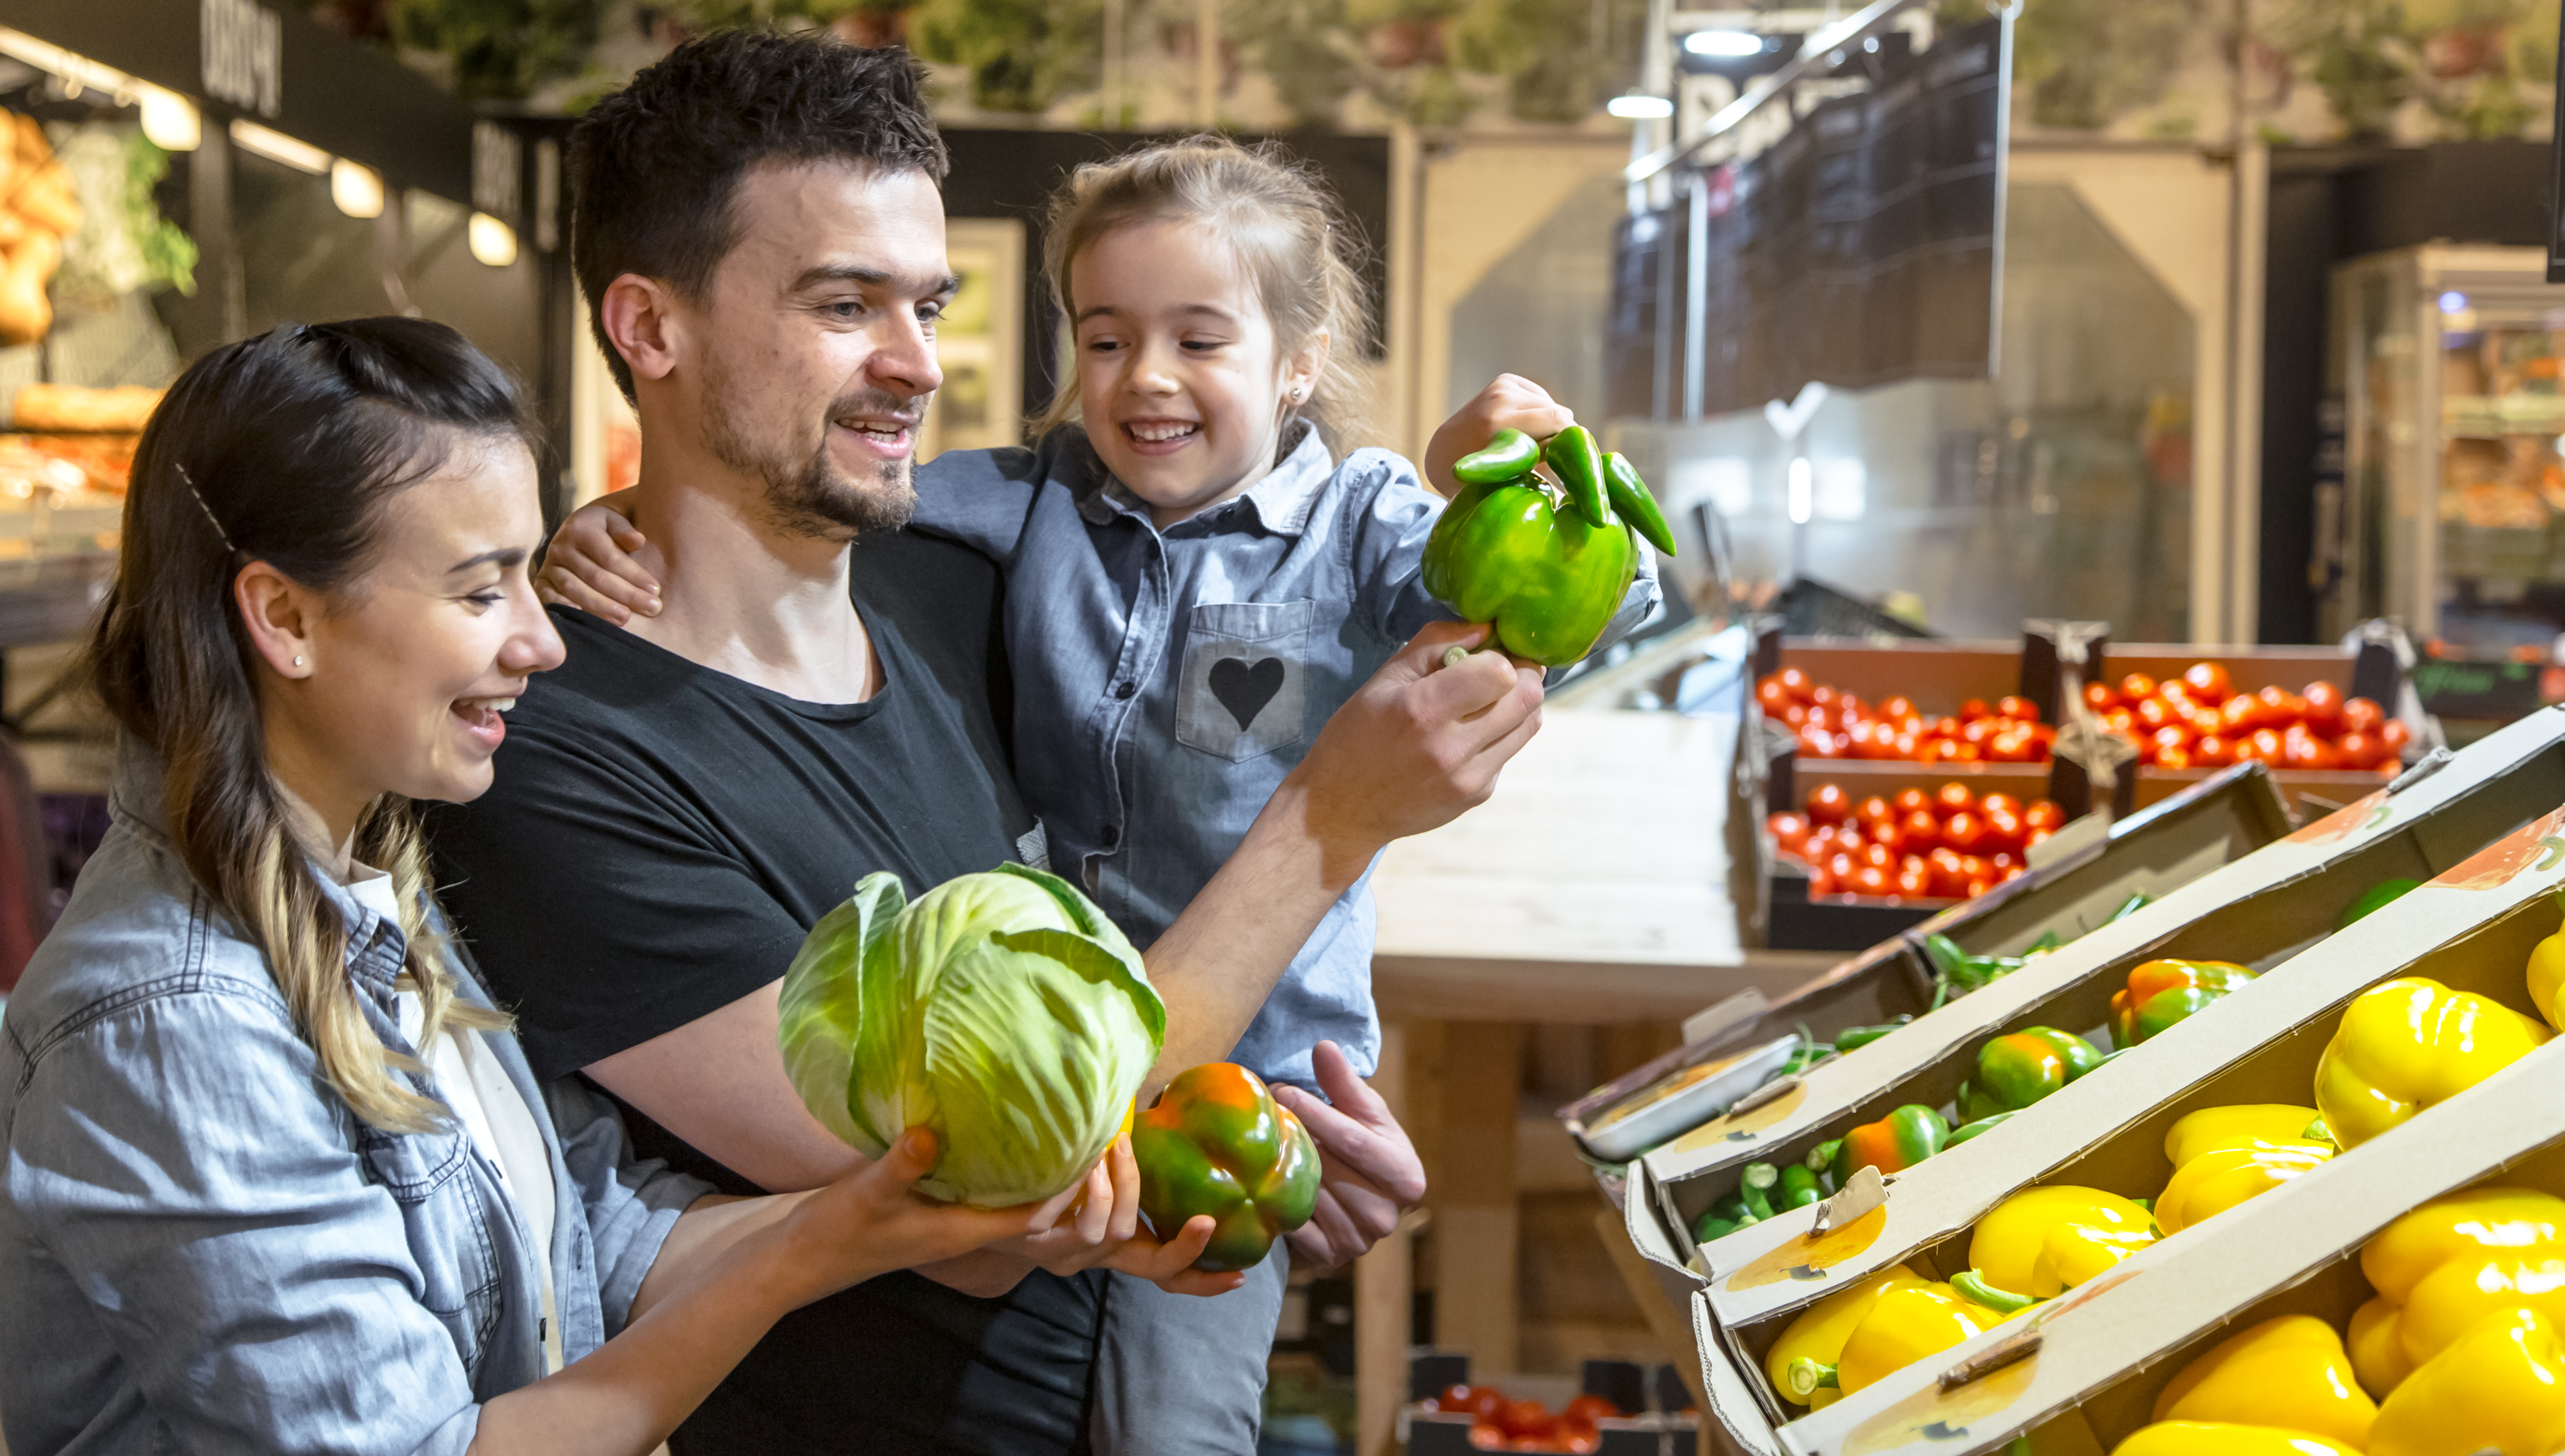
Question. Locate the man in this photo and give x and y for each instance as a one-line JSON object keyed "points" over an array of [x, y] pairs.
{"points": [[758, 230]]}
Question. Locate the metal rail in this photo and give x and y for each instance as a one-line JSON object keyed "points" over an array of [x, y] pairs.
{"points": [[1852, 30]]}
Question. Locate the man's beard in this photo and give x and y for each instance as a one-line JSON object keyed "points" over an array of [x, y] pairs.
{"points": [[812, 496]]}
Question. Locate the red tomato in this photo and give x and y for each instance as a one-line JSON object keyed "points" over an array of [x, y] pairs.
{"points": [[2101, 698], [2003, 865], [2037, 836], [1972, 709], [1999, 802], [2282, 707], [2172, 735], [1873, 740], [2016, 872], [1849, 836], [2176, 693], [1953, 798], [1922, 832], [1771, 698], [2155, 713], [1900, 708], [1822, 882], [1975, 866], [2361, 715], [2267, 744], [1822, 697], [1482, 1401], [2044, 814], [2005, 834], [1791, 830], [1829, 804], [1908, 747], [2014, 747], [1977, 886], [1873, 880], [1950, 873], [1589, 1409], [1907, 801], [1524, 1419], [1823, 715], [1981, 731], [2241, 714], [1874, 811], [1487, 1436], [1967, 753], [1852, 707], [2137, 687], [1795, 715], [1877, 856], [1965, 832], [1944, 728], [2172, 756], [2122, 722], [1797, 681], [1817, 742], [2394, 735], [2359, 750], [2207, 679], [1843, 865], [2212, 750], [2324, 708], [1454, 1398], [2018, 708]]}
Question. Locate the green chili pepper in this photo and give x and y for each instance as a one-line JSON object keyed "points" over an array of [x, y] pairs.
{"points": [[1546, 578], [1750, 1185], [2129, 906], [1712, 1229], [2019, 1068], [1799, 1187], [1854, 1037], [2046, 942], [1732, 1207], [1636, 503], [1508, 453], [1967, 1130], [1579, 464], [1822, 1156]]}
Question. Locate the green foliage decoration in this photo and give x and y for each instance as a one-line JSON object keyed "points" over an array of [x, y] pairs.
{"points": [[498, 50]]}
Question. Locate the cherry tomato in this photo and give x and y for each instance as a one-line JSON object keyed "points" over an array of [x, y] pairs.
{"points": [[2280, 707], [1874, 880], [1909, 746], [1822, 716], [2012, 748], [2209, 680], [2212, 750], [1981, 731], [1965, 832], [2044, 814], [1884, 852], [1977, 886], [1843, 866], [2324, 708], [1795, 715], [2153, 714], [1998, 801], [2174, 692], [1797, 681], [1829, 804], [2122, 722], [2394, 735], [2004, 833], [2101, 698], [1848, 835], [1771, 697], [1945, 728], [2020, 708], [1817, 742], [1822, 697], [1589, 1409], [1873, 809], [1954, 797], [1486, 1402], [2172, 756], [1923, 832], [1852, 707], [2267, 744], [1914, 880], [1861, 741], [1899, 707], [1943, 751], [1822, 882], [2361, 715], [2359, 750], [2137, 687], [1907, 801], [1972, 709], [1790, 831], [1950, 871], [2300, 748], [2172, 735], [2016, 872]]}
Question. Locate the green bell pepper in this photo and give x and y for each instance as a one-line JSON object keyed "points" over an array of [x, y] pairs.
{"points": [[2377, 898], [1577, 461], [2019, 1068], [1798, 1188], [1508, 453], [1967, 1130], [1549, 579], [1635, 502], [1892, 1145], [1217, 1143]]}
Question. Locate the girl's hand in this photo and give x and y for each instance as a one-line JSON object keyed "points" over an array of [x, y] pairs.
{"points": [[871, 1221], [591, 564], [1511, 402], [1101, 1227]]}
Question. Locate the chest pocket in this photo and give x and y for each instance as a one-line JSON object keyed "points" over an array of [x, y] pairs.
{"points": [[430, 1175], [1245, 690]]}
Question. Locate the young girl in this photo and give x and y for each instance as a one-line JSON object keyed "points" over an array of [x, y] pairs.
{"points": [[1195, 582]]}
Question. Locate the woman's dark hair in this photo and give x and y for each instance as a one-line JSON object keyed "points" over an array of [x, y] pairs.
{"points": [[285, 449], [654, 168]]}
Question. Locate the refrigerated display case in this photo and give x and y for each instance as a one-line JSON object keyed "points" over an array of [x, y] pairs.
{"points": [[2451, 515]]}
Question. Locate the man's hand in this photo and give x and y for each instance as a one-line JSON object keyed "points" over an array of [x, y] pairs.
{"points": [[1416, 747], [1512, 402], [1368, 1172]]}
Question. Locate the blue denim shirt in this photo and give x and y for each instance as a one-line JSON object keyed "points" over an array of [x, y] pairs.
{"points": [[202, 1249], [1165, 681]]}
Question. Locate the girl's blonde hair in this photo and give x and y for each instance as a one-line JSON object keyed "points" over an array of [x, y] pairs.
{"points": [[1287, 227], [287, 449]]}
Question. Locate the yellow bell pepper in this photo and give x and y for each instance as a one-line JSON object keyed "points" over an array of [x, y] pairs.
{"points": [[2408, 1042], [2547, 976], [2223, 1177], [2222, 1438], [2255, 1125], [2042, 1242], [2489, 1241], [1817, 1336], [1901, 1320], [2290, 1371], [2500, 1387]]}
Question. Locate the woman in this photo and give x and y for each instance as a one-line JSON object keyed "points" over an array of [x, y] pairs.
{"points": [[277, 1177]]}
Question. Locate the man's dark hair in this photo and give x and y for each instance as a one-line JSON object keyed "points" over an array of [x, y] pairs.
{"points": [[655, 167]]}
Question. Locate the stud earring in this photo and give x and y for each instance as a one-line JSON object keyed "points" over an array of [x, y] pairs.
{"points": [[298, 661]]}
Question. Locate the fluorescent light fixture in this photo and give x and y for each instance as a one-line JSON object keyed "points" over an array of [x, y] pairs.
{"points": [[278, 147], [2453, 302], [1843, 490], [169, 121], [358, 190], [1728, 43], [1803, 491], [1637, 107], [491, 241]]}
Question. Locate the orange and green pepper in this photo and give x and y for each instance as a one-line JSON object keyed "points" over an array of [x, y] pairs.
{"points": [[1215, 1142], [2162, 991], [2408, 1042], [2020, 1067], [1892, 1145]]}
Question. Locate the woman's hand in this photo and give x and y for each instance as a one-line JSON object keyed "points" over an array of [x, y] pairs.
{"points": [[871, 1221], [1102, 1227], [1511, 402], [1369, 1173], [591, 564]]}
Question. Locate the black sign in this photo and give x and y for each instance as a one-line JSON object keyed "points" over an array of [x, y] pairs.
{"points": [[2499, 691]]}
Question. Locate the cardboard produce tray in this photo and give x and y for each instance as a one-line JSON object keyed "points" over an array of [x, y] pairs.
{"points": [[2157, 853], [2472, 928], [2090, 1364]]}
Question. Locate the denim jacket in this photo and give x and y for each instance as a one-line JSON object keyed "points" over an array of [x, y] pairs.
{"points": [[203, 1249], [1165, 681]]}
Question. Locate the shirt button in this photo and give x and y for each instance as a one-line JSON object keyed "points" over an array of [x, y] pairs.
{"points": [[1124, 689], [1112, 835]]}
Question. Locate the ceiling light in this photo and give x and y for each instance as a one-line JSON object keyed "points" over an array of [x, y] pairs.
{"points": [[1640, 107], [491, 241], [169, 121], [278, 147], [1732, 43], [358, 190]]}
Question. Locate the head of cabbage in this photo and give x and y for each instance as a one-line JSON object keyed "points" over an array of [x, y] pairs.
{"points": [[1002, 1011]]}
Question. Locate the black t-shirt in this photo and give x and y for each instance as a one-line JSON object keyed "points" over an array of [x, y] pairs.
{"points": [[659, 839]]}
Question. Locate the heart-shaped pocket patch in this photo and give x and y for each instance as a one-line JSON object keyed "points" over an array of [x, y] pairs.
{"points": [[1245, 690]]}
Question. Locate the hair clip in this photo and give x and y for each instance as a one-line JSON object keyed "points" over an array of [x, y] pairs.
{"points": [[210, 518]]}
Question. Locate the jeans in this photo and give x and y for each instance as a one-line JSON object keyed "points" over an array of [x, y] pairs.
{"points": [[1181, 1375]]}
